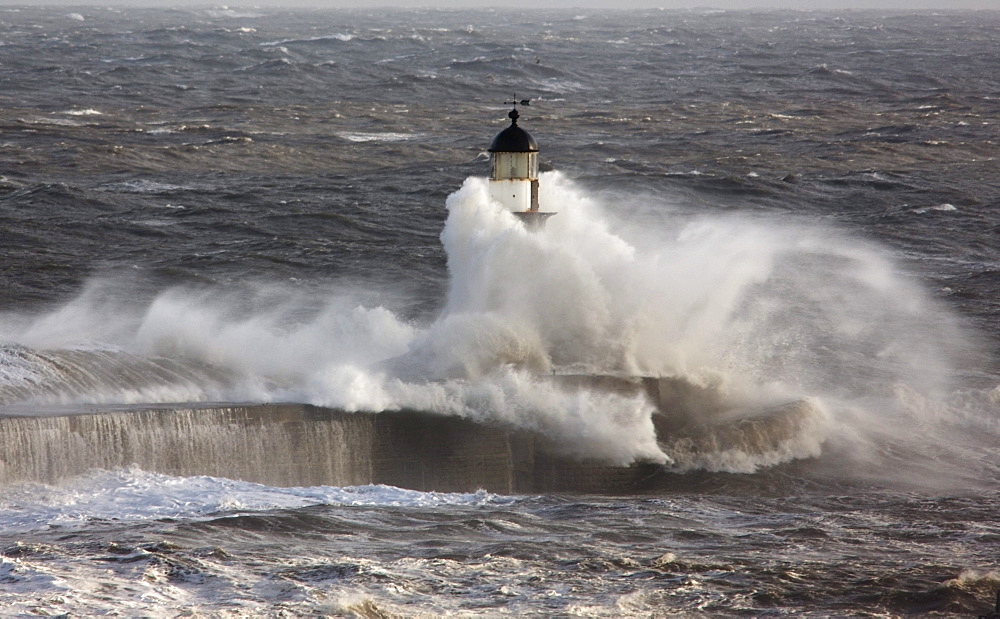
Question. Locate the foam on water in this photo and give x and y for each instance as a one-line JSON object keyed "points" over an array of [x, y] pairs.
{"points": [[96, 576], [762, 311], [132, 495], [378, 137]]}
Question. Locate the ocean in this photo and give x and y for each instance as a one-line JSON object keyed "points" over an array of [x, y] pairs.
{"points": [[789, 218]]}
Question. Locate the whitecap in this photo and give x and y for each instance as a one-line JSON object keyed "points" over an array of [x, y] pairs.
{"points": [[134, 494], [939, 208], [377, 137]]}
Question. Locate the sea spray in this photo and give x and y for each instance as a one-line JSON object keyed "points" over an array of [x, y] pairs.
{"points": [[764, 312], [562, 293], [758, 312]]}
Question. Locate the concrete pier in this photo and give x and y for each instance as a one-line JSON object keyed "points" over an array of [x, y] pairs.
{"points": [[301, 445]]}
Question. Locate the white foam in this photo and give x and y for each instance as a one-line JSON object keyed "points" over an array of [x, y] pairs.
{"points": [[378, 137], [340, 36], [763, 309], [937, 208], [143, 186], [136, 495]]}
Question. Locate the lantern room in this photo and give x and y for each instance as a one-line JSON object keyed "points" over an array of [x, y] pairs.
{"points": [[514, 167], [514, 172]]}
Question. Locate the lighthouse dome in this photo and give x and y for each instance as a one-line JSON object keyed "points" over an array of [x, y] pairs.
{"points": [[513, 139]]}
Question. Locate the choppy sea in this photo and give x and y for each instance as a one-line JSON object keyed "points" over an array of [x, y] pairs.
{"points": [[234, 205]]}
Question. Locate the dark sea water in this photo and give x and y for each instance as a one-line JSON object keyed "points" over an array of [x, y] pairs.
{"points": [[229, 205]]}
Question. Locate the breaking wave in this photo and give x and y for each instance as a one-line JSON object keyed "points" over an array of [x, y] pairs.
{"points": [[793, 336]]}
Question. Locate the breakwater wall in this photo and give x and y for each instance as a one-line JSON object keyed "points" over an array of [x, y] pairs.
{"points": [[301, 445]]}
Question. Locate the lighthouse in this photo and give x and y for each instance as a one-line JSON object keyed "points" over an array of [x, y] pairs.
{"points": [[514, 172]]}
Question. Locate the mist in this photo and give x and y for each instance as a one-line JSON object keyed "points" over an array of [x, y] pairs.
{"points": [[750, 312]]}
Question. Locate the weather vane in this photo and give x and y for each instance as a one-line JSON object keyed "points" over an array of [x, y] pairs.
{"points": [[515, 102]]}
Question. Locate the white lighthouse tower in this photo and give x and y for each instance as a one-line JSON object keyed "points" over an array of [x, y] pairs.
{"points": [[514, 172]]}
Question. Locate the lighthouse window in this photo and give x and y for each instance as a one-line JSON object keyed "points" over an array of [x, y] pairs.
{"points": [[515, 165]]}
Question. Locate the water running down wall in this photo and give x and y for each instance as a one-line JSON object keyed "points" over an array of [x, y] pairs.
{"points": [[301, 445], [304, 445]]}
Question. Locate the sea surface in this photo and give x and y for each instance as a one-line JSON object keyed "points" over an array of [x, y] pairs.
{"points": [[234, 205]]}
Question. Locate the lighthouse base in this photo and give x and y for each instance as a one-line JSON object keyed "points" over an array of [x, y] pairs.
{"points": [[533, 220]]}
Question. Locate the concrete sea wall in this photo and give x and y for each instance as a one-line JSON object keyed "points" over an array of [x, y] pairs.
{"points": [[301, 445]]}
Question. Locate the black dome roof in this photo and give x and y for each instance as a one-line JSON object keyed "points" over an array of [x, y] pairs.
{"points": [[513, 139]]}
